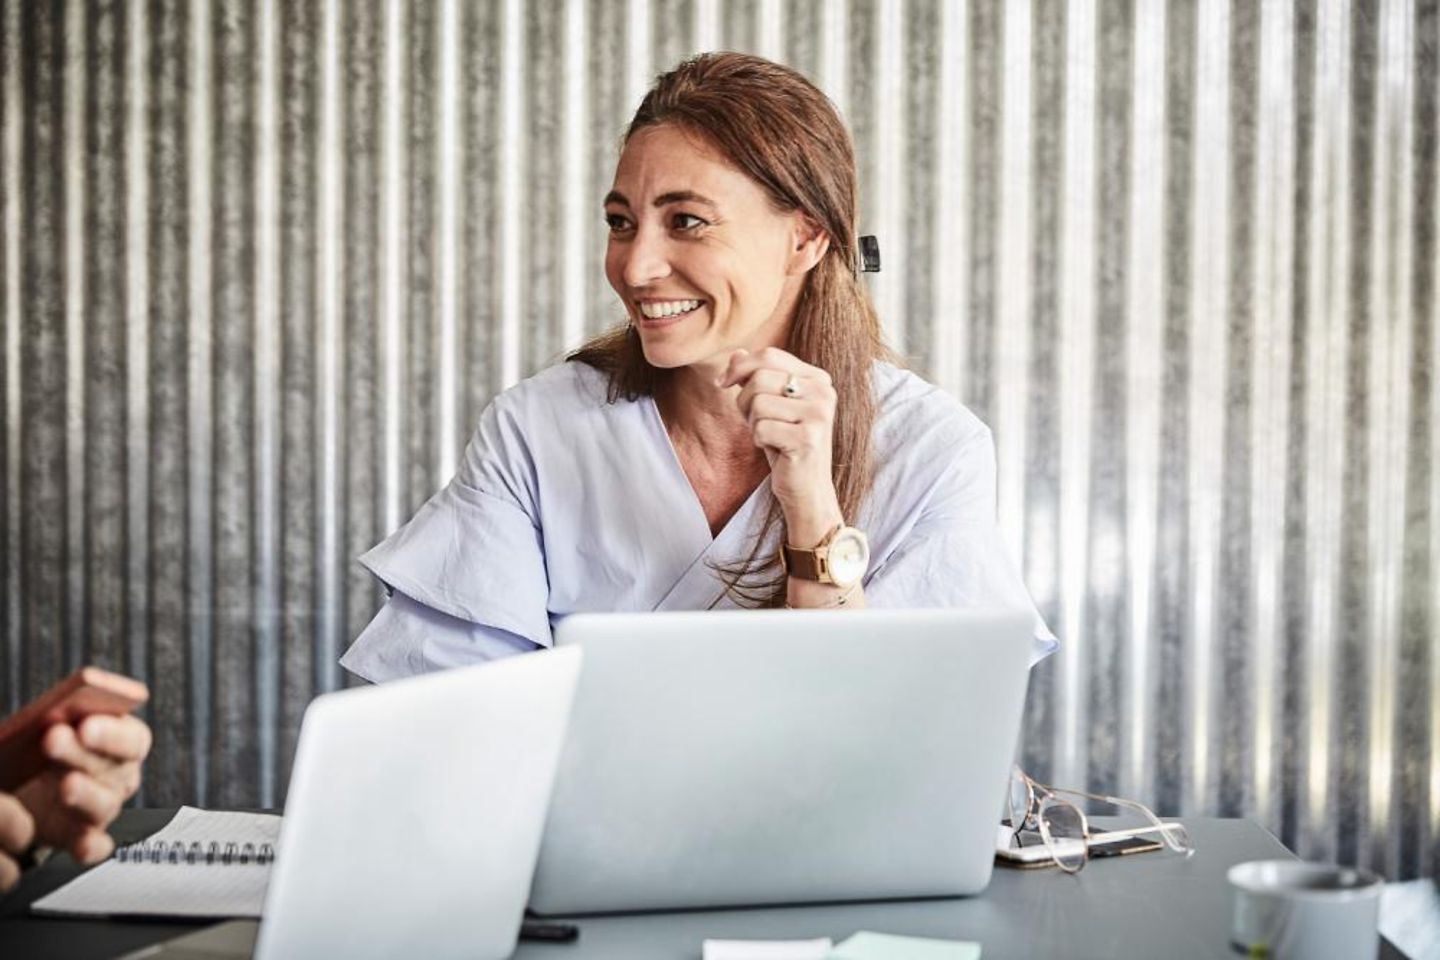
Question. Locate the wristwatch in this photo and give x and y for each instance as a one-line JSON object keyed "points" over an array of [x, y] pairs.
{"points": [[841, 558]]}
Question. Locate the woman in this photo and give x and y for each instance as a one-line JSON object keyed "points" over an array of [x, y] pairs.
{"points": [[748, 399]]}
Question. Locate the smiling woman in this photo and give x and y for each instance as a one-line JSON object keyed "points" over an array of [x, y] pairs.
{"points": [[743, 440]]}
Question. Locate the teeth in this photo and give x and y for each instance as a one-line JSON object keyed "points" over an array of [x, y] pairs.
{"points": [[667, 308]]}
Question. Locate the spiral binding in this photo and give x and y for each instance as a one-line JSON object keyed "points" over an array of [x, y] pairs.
{"points": [[158, 851]]}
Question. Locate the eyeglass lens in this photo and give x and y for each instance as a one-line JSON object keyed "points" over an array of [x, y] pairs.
{"points": [[1020, 800], [1063, 829]]}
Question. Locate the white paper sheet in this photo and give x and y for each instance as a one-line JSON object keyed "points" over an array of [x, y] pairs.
{"points": [[767, 949], [117, 888]]}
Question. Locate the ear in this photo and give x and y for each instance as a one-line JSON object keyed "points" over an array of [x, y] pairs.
{"points": [[810, 243]]}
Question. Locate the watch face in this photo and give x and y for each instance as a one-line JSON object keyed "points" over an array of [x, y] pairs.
{"points": [[848, 557]]}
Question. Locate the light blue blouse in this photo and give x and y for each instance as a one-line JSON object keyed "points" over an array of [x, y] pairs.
{"points": [[565, 503]]}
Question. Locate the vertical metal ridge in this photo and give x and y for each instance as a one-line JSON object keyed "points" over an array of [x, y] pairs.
{"points": [[1273, 251], [13, 159], [887, 208], [949, 267], [449, 199], [512, 140], [1328, 294], [268, 363], [1077, 376], [74, 160], [329, 348], [577, 207], [705, 30], [393, 243], [1145, 323], [137, 351], [1209, 349], [104, 638], [834, 53], [1012, 315], [1389, 389], [770, 30], [639, 50], [200, 556], [235, 654], [1434, 514]]}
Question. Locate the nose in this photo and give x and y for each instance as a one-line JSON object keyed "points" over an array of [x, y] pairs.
{"points": [[645, 258]]}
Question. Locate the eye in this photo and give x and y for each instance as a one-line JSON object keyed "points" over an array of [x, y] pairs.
{"points": [[617, 222], [687, 222]]}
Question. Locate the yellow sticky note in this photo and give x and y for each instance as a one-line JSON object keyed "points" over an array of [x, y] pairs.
{"points": [[866, 945]]}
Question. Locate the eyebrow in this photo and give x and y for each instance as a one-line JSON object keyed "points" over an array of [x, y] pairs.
{"points": [[674, 196]]}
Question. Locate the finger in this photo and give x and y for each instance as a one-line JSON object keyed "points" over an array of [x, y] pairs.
{"points": [[90, 800], [63, 747], [784, 439], [762, 381], [17, 827], [767, 406], [120, 738], [91, 846], [743, 365], [726, 378], [9, 874]]}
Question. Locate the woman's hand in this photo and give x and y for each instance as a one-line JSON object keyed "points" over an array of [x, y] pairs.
{"points": [[94, 768], [795, 428]]}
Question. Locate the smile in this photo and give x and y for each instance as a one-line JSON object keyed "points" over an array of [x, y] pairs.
{"points": [[664, 309]]}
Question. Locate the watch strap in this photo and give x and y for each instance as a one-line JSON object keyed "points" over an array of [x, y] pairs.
{"points": [[804, 564], [807, 564]]}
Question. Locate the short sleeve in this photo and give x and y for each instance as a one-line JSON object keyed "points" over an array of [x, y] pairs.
{"points": [[954, 555], [474, 551], [408, 638]]}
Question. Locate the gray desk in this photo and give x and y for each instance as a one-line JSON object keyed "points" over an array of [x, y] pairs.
{"points": [[1148, 906]]}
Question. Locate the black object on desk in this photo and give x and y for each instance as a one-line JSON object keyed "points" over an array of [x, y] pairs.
{"points": [[546, 932]]}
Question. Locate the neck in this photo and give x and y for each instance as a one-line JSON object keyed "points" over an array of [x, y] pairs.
{"points": [[702, 416]]}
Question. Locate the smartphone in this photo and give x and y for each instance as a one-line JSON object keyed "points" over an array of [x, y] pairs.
{"points": [[87, 691], [1028, 849]]}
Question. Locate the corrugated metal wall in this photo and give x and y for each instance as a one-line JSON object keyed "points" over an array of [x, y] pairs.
{"points": [[264, 262]]}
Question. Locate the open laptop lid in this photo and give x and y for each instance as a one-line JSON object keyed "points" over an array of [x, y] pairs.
{"points": [[747, 757], [415, 811]]}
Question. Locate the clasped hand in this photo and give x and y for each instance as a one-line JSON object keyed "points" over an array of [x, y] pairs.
{"points": [[795, 428], [93, 768]]}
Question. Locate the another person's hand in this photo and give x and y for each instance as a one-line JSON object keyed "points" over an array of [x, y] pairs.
{"points": [[17, 832], [94, 768], [795, 427]]}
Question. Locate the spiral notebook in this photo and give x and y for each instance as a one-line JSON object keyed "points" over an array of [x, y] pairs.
{"points": [[203, 863]]}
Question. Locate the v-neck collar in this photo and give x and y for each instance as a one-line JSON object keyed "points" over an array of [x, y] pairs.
{"points": [[698, 587], [741, 516]]}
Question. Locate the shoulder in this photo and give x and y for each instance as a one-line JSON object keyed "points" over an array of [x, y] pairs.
{"points": [[564, 388], [533, 424], [912, 412], [554, 403]]}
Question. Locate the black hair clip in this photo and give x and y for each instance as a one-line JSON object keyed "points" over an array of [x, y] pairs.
{"points": [[869, 255]]}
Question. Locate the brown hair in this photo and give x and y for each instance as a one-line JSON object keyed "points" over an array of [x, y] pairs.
{"points": [[785, 134]]}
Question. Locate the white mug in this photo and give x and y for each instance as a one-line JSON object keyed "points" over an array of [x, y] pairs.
{"points": [[1291, 910]]}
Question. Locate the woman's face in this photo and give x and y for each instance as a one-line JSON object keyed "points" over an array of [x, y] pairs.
{"points": [[701, 260]]}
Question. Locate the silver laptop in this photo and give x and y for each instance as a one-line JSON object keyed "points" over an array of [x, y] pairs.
{"points": [[754, 757], [413, 818]]}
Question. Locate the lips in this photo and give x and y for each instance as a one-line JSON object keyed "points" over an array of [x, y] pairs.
{"points": [[655, 314], [665, 309]]}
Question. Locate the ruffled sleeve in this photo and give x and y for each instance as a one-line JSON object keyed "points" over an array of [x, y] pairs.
{"points": [[474, 551]]}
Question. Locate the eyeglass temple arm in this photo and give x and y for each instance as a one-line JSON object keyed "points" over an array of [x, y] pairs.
{"points": [[1164, 827]]}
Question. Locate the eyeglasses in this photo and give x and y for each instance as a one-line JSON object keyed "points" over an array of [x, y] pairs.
{"points": [[1066, 831]]}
